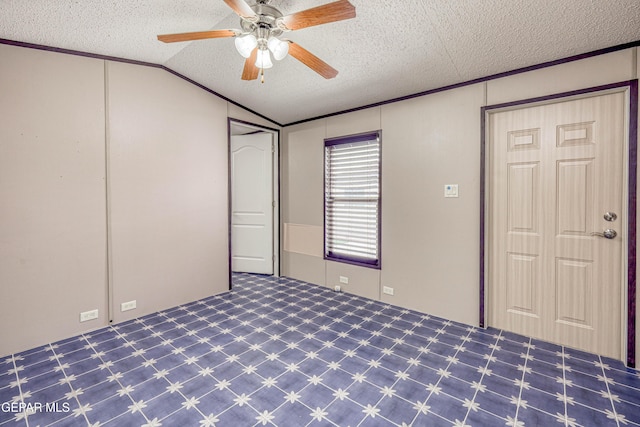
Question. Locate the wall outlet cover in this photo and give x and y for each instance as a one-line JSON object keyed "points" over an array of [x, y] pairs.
{"points": [[344, 280], [88, 315], [129, 305], [387, 290]]}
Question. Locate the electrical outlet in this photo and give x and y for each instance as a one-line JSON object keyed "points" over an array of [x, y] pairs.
{"points": [[88, 315], [387, 290], [126, 306], [344, 280]]}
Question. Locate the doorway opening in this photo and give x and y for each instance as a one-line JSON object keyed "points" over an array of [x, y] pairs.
{"points": [[254, 210]]}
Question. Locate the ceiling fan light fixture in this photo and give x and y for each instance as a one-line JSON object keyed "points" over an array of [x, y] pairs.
{"points": [[264, 59], [279, 48], [262, 25], [245, 44]]}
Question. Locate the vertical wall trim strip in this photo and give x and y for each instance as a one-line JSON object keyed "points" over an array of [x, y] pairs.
{"points": [[483, 118], [107, 187], [277, 214], [229, 210], [483, 142], [631, 224], [380, 195]]}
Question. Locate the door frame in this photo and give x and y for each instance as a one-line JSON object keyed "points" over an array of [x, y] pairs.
{"points": [[275, 154], [629, 87]]}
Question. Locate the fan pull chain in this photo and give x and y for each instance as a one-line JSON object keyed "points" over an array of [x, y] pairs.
{"points": [[262, 72]]}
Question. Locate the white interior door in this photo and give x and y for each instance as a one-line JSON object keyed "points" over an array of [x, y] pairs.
{"points": [[556, 171], [252, 203]]}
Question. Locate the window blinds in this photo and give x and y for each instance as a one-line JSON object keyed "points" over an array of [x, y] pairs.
{"points": [[352, 199]]}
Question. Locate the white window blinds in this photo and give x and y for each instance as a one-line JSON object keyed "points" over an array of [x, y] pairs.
{"points": [[352, 199]]}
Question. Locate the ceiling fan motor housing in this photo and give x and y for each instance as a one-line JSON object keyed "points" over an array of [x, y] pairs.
{"points": [[267, 17]]}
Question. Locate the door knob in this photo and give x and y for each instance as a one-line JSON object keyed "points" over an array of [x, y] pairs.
{"points": [[607, 234]]}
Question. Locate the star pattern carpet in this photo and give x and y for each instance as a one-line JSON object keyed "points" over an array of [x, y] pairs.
{"points": [[277, 351]]}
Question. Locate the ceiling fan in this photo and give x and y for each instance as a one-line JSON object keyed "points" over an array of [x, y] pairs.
{"points": [[263, 25]]}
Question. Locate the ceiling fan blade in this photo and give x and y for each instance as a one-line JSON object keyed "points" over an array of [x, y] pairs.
{"points": [[242, 9], [312, 61], [330, 12], [199, 35], [250, 71]]}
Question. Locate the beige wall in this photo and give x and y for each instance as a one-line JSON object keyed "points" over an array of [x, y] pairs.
{"points": [[235, 112], [73, 131], [168, 190], [590, 72], [52, 193], [301, 200], [430, 244]]}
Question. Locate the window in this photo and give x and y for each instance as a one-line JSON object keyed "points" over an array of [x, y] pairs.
{"points": [[352, 199]]}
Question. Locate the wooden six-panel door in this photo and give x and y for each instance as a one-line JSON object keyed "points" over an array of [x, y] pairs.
{"points": [[556, 178]]}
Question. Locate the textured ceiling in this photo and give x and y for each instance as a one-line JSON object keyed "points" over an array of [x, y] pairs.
{"points": [[391, 49]]}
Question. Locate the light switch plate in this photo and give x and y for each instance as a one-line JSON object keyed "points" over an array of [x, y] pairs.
{"points": [[451, 190]]}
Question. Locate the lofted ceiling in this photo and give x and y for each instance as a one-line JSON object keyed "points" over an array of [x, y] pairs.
{"points": [[391, 49]]}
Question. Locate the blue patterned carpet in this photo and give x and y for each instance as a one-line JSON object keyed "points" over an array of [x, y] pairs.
{"points": [[286, 353]]}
